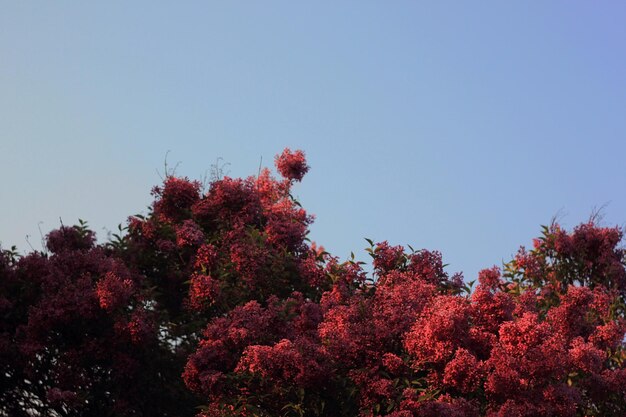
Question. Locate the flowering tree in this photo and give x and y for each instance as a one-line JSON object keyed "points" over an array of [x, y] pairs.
{"points": [[77, 335], [216, 304]]}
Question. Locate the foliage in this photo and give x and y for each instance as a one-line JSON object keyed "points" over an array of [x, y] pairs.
{"points": [[216, 304]]}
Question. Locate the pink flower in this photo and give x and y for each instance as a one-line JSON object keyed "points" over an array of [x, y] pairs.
{"points": [[175, 198], [113, 292], [189, 234], [291, 165], [463, 372]]}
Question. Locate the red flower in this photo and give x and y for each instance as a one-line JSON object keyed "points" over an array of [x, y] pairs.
{"points": [[291, 165], [463, 372], [113, 292], [189, 234]]}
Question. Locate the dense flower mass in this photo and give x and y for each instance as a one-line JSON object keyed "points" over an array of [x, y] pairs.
{"points": [[292, 165], [216, 304]]}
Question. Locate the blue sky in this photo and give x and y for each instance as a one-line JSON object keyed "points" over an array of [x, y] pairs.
{"points": [[457, 126]]}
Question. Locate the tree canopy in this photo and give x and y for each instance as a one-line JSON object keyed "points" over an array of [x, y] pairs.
{"points": [[216, 303]]}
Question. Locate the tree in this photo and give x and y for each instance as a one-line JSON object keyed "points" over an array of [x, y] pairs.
{"points": [[216, 304]]}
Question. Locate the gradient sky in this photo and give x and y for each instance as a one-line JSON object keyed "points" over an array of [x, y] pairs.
{"points": [[457, 126]]}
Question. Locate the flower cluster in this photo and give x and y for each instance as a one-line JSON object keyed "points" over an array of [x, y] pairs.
{"points": [[292, 165], [113, 292], [216, 304], [76, 332]]}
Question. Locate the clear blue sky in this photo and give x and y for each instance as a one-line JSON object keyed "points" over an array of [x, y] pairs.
{"points": [[457, 126]]}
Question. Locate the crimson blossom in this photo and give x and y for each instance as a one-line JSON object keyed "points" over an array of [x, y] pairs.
{"points": [[215, 303]]}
